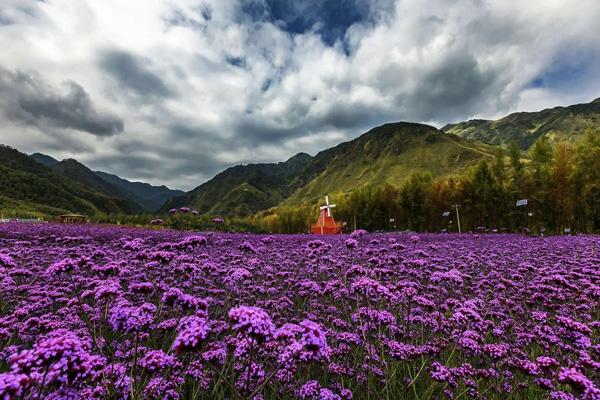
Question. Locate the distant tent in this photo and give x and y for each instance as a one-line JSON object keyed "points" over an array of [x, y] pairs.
{"points": [[72, 219]]}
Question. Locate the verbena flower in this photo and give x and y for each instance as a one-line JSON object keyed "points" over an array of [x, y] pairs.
{"points": [[252, 321], [13, 386], [129, 318], [351, 243], [191, 334], [371, 288], [7, 261], [157, 360], [60, 357], [63, 266], [579, 382], [312, 345], [310, 390], [359, 233]]}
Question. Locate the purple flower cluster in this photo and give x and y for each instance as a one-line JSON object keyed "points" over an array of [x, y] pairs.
{"points": [[252, 321], [157, 360], [60, 358], [192, 333], [128, 318], [313, 342]]}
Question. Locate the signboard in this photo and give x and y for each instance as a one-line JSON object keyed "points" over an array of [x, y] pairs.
{"points": [[392, 220], [522, 202], [567, 230], [446, 214]]}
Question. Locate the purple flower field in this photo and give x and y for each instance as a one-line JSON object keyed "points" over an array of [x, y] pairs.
{"points": [[92, 312]]}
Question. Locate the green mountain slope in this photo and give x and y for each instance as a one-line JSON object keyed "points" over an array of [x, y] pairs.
{"points": [[386, 154], [244, 189], [556, 124], [78, 172], [27, 186], [45, 159], [145, 196], [149, 196]]}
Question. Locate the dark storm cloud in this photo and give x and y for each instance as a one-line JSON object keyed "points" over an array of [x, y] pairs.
{"points": [[146, 160], [5, 19], [185, 132], [239, 62], [132, 72], [454, 89], [253, 130], [353, 116], [27, 99], [20, 11]]}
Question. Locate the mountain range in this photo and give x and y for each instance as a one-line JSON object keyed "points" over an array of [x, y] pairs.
{"points": [[28, 186], [41, 184], [387, 154], [555, 124]]}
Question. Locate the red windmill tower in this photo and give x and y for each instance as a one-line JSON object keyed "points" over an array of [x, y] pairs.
{"points": [[326, 225]]}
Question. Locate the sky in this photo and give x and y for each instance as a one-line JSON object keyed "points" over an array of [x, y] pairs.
{"points": [[172, 92]]}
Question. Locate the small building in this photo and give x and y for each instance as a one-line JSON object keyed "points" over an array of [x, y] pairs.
{"points": [[326, 225], [72, 219]]}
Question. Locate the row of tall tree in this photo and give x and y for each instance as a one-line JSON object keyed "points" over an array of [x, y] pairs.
{"points": [[561, 183]]}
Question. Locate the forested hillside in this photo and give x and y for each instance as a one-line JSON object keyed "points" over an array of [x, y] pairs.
{"points": [[558, 124], [29, 188], [561, 183], [388, 154]]}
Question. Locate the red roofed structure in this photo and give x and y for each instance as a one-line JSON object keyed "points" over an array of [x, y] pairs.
{"points": [[326, 225]]}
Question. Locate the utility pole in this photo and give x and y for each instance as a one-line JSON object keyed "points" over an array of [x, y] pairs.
{"points": [[455, 206], [523, 203]]}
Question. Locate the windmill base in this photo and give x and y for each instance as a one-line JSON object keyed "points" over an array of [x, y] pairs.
{"points": [[326, 225]]}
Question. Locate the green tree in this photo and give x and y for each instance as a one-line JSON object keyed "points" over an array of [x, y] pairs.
{"points": [[482, 194], [541, 200], [561, 192], [412, 200], [499, 168], [587, 181], [514, 153]]}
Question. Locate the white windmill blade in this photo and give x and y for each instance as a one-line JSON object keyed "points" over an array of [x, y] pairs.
{"points": [[329, 209], [326, 199]]}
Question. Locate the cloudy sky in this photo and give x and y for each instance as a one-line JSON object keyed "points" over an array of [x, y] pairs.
{"points": [[171, 92]]}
